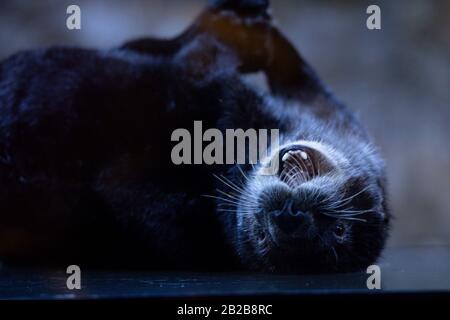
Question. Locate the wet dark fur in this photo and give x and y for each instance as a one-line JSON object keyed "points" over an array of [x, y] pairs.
{"points": [[85, 168]]}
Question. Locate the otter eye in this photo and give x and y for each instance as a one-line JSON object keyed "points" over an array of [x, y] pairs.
{"points": [[339, 230], [261, 236]]}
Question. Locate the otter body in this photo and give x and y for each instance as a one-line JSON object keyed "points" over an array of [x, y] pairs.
{"points": [[86, 173]]}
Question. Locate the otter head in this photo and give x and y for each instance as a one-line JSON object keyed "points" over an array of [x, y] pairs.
{"points": [[323, 210]]}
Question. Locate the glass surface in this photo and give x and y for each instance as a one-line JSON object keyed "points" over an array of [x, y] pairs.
{"points": [[411, 269]]}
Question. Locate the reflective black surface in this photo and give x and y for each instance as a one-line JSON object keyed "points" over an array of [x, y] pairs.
{"points": [[415, 269]]}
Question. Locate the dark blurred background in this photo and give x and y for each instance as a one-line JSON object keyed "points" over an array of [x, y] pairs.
{"points": [[397, 79]]}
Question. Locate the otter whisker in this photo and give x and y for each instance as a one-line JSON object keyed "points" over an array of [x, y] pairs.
{"points": [[354, 195], [291, 178], [330, 197], [297, 177], [228, 195], [301, 174], [228, 200], [316, 194], [294, 179], [345, 201], [304, 169], [243, 173], [297, 165], [350, 213], [229, 183], [241, 194], [343, 217], [346, 215], [237, 197], [354, 219], [234, 211], [240, 188]]}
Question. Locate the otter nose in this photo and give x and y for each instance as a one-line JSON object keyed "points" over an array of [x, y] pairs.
{"points": [[288, 219]]}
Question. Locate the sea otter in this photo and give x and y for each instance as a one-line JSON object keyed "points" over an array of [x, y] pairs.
{"points": [[86, 175]]}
